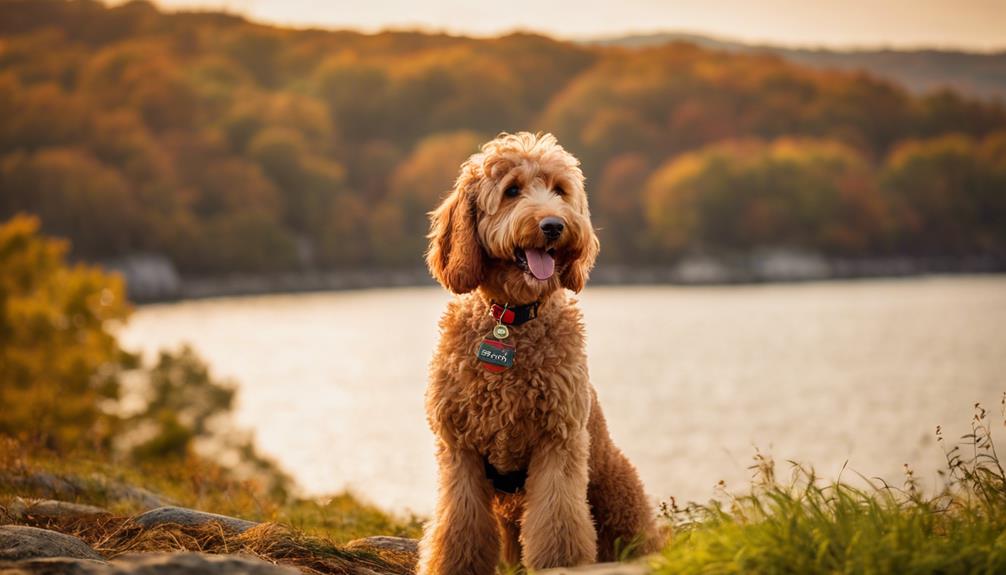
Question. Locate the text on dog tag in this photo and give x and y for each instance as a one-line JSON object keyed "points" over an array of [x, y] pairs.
{"points": [[495, 355]]}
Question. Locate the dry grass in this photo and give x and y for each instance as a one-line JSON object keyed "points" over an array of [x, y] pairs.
{"points": [[114, 535], [95, 479], [305, 533]]}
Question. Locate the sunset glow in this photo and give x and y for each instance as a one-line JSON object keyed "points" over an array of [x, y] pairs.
{"points": [[969, 24]]}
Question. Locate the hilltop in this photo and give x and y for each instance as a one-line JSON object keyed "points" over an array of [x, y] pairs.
{"points": [[921, 70]]}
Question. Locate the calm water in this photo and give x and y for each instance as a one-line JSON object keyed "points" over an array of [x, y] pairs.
{"points": [[691, 379]]}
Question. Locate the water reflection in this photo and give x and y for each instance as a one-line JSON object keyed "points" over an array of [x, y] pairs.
{"points": [[691, 379]]}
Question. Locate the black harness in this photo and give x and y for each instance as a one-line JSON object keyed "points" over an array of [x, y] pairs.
{"points": [[506, 482]]}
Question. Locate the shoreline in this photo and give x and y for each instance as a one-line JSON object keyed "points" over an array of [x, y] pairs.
{"points": [[155, 281]]}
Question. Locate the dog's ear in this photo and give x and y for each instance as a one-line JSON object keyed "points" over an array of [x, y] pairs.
{"points": [[455, 257], [575, 275]]}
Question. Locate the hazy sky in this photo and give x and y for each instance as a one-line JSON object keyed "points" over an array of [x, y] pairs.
{"points": [[974, 24]]}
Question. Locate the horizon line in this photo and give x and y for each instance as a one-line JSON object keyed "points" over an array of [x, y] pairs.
{"points": [[422, 28]]}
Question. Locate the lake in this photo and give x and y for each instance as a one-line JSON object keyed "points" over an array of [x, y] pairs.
{"points": [[691, 379]]}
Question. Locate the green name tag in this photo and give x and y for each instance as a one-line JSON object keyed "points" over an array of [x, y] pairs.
{"points": [[496, 353]]}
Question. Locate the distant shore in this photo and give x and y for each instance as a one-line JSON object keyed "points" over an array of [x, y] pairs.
{"points": [[152, 279]]}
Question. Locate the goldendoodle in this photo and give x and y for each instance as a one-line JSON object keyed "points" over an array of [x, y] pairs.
{"points": [[528, 472]]}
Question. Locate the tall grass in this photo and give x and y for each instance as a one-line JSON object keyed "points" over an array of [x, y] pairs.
{"points": [[807, 526]]}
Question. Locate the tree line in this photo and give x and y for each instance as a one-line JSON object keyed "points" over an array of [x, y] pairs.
{"points": [[230, 146]]}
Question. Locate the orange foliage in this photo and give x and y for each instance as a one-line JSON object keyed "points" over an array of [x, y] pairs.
{"points": [[230, 146]]}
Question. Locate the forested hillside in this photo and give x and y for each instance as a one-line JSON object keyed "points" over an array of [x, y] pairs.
{"points": [[230, 146]]}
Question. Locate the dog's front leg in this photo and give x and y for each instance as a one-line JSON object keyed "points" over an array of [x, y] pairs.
{"points": [[462, 538], [557, 530]]}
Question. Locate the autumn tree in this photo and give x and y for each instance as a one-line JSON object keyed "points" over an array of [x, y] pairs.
{"points": [[789, 193], [617, 202], [75, 195], [949, 195], [400, 223], [58, 360]]}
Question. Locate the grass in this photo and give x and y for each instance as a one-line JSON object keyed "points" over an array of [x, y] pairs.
{"points": [[806, 526], [94, 479]]}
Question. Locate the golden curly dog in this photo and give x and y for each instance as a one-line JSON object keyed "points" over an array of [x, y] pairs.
{"points": [[527, 470]]}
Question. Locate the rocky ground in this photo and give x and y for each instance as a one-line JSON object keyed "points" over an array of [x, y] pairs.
{"points": [[45, 536], [54, 536]]}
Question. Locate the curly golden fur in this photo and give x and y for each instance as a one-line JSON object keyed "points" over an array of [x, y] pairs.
{"points": [[582, 498]]}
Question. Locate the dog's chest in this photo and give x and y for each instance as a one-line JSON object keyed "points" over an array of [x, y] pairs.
{"points": [[543, 397]]}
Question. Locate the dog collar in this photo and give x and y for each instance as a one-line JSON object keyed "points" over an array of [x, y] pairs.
{"points": [[514, 314]]}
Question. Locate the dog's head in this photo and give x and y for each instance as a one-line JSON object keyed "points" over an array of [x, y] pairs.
{"points": [[516, 223]]}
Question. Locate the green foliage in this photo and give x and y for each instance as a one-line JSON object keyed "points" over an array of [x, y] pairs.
{"points": [[76, 195], [346, 517], [179, 389], [230, 146], [355, 93], [66, 385], [59, 362], [950, 194], [792, 193], [247, 241], [806, 527]]}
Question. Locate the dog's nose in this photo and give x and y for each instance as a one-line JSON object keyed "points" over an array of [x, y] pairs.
{"points": [[552, 227]]}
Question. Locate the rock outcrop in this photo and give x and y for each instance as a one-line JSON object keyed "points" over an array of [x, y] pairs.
{"points": [[67, 488], [184, 516], [599, 569], [383, 543], [149, 564], [52, 566], [21, 509], [20, 542]]}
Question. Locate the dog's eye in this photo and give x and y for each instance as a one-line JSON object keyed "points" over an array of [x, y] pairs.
{"points": [[512, 192], [559, 191]]}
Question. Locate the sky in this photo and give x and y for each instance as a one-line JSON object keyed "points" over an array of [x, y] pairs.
{"points": [[963, 24]]}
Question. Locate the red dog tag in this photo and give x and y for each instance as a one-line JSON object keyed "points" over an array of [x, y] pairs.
{"points": [[495, 355]]}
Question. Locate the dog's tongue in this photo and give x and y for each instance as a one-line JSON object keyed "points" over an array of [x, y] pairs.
{"points": [[542, 265]]}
